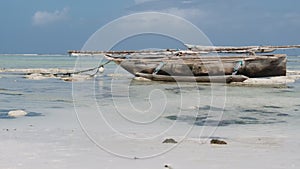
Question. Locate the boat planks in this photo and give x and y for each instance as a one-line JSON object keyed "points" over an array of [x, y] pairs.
{"points": [[254, 66]]}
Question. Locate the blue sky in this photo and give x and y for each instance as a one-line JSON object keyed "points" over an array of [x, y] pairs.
{"points": [[55, 26]]}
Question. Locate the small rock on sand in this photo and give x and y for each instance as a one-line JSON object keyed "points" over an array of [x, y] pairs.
{"points": [[17, 113], [168, 166], [216, 141], [170, 140]]}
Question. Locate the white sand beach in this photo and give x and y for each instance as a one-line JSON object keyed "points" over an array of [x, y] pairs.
{"points": [[62, 144]]}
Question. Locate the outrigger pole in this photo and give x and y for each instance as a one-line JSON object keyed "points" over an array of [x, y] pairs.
{"points": [[241, 49], [165, 51], [191, 49]]}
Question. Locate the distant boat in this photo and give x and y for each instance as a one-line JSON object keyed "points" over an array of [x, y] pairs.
{"points": [[78, 53]]}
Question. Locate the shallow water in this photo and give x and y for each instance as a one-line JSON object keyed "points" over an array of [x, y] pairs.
{"points": [[112, 108], [243, 105]]}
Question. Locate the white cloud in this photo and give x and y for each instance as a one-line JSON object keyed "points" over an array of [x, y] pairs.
{"points": [[45, 17]]}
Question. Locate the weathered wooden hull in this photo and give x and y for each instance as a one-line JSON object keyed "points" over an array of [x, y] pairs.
{"points": [[202, 79], [250, 66], [264, 66]]}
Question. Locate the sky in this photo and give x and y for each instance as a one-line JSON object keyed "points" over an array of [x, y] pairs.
{"points": [[56, 26]]}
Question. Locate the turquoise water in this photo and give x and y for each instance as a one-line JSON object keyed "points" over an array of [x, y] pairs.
{"points": [[36, 61], [112, 109], [261, 105], [293, 63], [19, 93]]}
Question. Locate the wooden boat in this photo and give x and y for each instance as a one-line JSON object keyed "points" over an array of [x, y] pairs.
{"points": [[182, 67], [201, 63]]}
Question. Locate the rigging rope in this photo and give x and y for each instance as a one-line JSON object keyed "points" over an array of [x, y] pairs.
{"points": [[157, 69], [237, 66], [83, 71]]}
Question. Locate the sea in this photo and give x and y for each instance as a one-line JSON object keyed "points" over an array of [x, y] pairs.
{"points": [[115, 104], [244, 105]]}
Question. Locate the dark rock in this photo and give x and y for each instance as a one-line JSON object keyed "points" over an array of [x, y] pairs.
{"points": [[168, 166], [170, 140], [282, 114], [274, 107], [172, 117], [216, 141]]}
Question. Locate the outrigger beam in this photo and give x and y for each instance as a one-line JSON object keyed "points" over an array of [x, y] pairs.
{"points": [[241, 49], [192, 49]]}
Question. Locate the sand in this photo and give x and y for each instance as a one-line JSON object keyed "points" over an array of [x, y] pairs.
{"points": [[51, 142]]}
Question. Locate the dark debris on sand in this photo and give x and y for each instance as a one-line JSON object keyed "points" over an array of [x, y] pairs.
{"points": [[216, 141], [170, 140]]}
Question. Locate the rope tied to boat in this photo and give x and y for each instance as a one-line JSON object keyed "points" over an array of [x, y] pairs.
{"points": [[237, 66], [158, 68], [99, 68]]}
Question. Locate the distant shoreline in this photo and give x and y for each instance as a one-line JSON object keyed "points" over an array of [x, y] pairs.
{"points": [[32, 54]]}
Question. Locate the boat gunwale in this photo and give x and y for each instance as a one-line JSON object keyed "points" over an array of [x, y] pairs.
{"points": [[186, 60]]}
